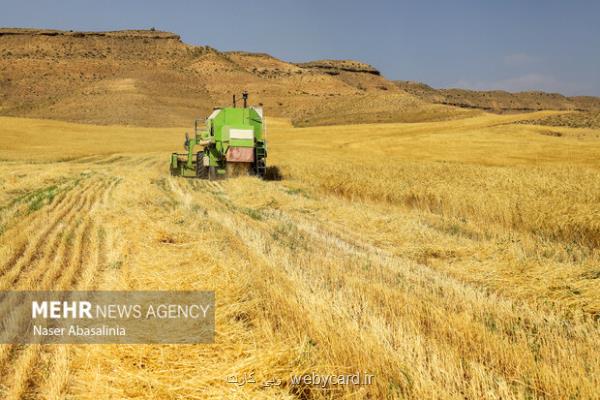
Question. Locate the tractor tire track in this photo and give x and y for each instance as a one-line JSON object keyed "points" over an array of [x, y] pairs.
{"points": [[6, 306], [28, 250], [27, 225], [29, 277], [44, 245], [25, 381], [11, 211], [84, 277], [52, 385], [114, 182], [44, 277], [75, 257]]}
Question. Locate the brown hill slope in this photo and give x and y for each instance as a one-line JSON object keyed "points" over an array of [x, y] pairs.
{"points": [[499, 101], [586, 119], [152, 78]]}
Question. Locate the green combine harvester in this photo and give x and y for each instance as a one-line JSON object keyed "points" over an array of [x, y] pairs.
{"points": [[231, 143]]}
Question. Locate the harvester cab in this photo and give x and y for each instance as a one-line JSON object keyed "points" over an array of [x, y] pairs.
{"points": [[231, 142]]}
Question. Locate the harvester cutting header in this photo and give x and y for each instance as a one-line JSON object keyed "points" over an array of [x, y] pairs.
{"points": [[232, 141]]}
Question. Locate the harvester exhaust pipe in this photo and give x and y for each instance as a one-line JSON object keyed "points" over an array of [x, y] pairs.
{"points": [[245, 97], [234, 101]]}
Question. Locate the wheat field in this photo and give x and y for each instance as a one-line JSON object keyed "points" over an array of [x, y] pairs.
{"points": [[452, 260]]}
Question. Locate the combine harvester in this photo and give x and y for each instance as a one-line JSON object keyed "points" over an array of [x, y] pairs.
{"points": [[233, 143]]}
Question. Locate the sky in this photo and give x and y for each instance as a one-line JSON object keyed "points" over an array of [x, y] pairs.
{"points": [[512, 45]]}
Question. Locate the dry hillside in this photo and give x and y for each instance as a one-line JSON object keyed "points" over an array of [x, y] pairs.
{"points": [[500, 101], [585, 119], [152, 78]]}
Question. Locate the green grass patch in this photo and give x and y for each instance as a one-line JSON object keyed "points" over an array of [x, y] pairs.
{"points": [[290, 236], [253, 213], [42, 197], [297, 192], [116, 265]]}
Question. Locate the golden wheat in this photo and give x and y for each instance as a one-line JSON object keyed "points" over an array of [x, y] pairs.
{"points": [[454, 259]]}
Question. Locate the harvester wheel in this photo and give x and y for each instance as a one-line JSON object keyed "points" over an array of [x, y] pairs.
{"points": [[201, 170], [212, 173], [260, 168], [174, 171]]}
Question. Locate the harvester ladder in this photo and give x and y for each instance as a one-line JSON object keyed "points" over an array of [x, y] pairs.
{"points": [[260, 164]]}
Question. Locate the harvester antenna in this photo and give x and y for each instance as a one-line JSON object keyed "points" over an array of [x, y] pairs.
{"points": [[245, 97]]}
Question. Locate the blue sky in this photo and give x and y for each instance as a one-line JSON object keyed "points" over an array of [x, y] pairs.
{"points": [[512, 45]]}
